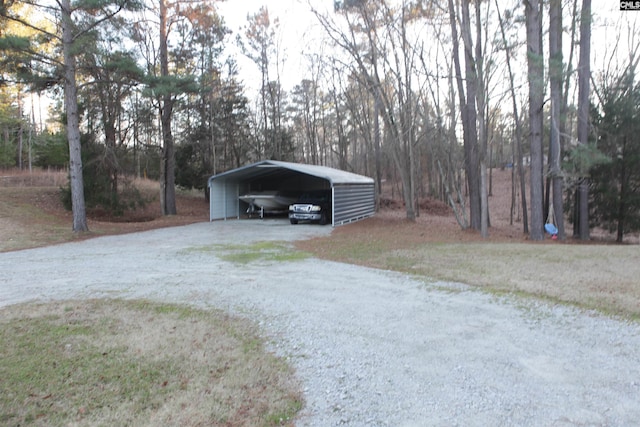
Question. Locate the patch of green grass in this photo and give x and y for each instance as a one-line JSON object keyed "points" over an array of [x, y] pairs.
{"points": [[359, 250], [111, 362], [55, 373], [267, 251], [179, 311], [285, 415]]}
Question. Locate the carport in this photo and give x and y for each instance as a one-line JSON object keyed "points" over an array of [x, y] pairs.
{"points": [[352, 195]]}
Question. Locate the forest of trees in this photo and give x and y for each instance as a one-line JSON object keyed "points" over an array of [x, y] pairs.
{"points": [[425, 96]]}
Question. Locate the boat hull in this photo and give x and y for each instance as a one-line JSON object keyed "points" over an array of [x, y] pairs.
{"points": [[268, 201]]}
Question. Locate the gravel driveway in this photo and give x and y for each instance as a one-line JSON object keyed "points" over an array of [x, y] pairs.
{"points": [[373, 348]]}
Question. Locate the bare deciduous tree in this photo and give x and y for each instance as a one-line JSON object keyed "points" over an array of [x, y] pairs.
{"points": [[518, 126], [375, 39], [467, 94]]}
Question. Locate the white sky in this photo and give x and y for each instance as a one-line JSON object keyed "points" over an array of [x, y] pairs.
{"points": [[298, 31]]}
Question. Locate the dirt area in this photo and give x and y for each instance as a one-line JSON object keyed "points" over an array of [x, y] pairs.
{"points": [[32, 213], [435, 222], [191, 208]]}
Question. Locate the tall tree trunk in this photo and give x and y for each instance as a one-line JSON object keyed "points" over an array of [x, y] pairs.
{"points": [[584, 73], [472, 154], [565, 132], [468, 107], [555, 79], [455, 181], [168, 166], [376, 144], [481, 102], [73, 125], [21, 128], [535, 67], [342, 155], [623, 179]]}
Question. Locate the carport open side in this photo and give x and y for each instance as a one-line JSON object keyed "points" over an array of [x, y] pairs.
{"points": [[353, 195]]}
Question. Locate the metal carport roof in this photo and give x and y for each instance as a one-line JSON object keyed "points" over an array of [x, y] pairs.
{"points": [[353, 194], [271, 167]]}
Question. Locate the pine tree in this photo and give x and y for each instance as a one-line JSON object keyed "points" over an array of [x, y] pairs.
{"points": [[77, 20], [615, 185]]}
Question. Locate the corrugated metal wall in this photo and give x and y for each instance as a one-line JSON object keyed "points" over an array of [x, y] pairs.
{"points": [[223, 202], [353, 202]]}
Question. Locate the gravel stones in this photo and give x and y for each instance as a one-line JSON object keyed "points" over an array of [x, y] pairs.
{"points": [[371, 348]]}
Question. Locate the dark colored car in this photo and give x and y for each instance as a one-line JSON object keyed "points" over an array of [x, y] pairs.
{"points": [[312, 206]]}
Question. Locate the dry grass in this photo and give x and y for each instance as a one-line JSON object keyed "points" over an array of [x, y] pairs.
{"points": [[32, 215], [26, 221], [36, 178], [137, 363], [102, 362], [595, 275]]}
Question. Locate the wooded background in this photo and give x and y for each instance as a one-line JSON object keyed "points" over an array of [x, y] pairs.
{"points": [[426, 97]]}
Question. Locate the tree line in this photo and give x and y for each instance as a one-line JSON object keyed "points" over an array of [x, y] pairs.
{"points": [[427, 97]]}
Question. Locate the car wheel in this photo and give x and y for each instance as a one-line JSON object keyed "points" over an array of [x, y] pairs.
{"points": [[293, 221], [323, 219]]}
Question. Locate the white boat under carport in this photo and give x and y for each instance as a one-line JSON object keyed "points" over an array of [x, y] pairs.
{"points": [[353, 195]]}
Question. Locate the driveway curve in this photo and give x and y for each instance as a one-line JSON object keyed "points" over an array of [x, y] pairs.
{"points": [[371, 347]]}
